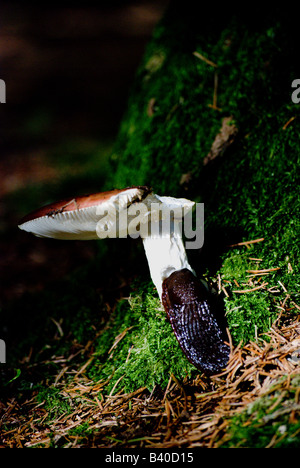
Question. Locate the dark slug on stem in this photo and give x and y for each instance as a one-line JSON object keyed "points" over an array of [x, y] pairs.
{"points": [[185, 300]]}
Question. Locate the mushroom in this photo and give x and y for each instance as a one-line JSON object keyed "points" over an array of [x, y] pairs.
{"points": [[138, 212]]}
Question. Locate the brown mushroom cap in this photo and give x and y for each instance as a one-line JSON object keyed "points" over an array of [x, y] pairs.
{"points": [[77, 218]]}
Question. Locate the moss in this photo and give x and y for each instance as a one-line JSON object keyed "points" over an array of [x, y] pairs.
{"points": [[235, 266], [249, 315], [268, 420], [181, 129], [82, 430], [250, 192], [138, 346], [54, 403]]}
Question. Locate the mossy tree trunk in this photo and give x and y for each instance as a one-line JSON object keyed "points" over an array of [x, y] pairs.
{"points": [[211, 118]]}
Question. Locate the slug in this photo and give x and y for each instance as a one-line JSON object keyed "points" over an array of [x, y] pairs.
{"points": [[200, 337]]}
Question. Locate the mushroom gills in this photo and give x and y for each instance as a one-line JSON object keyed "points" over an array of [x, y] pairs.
{"points": [[83, 218], [200, 337]]}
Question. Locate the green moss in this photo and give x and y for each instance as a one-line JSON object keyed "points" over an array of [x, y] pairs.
{"points": [[235, 266], [83, 430], [251, 308], [182, 127], [53, 402], [268, 420], [253, 190], [138, 346], [249, 315]]}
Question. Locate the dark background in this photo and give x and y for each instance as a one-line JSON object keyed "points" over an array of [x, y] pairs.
{"points": [[68, 71], [76, 62]]}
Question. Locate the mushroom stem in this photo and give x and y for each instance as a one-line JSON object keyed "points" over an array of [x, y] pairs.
{"points": [[162, 240], [165, 254]]}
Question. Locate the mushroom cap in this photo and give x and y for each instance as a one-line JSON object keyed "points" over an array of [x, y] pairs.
{"points": [[82, 218]]}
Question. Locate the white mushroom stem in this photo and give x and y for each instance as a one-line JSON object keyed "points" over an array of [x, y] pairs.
{"points": [[165, 255], [163, 245]]}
